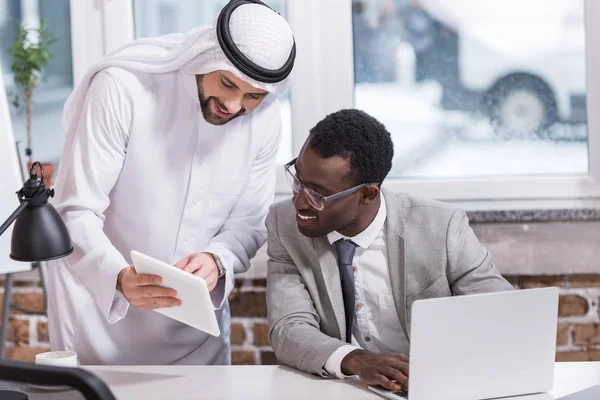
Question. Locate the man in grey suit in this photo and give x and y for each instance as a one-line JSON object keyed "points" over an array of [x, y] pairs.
{"points": [[347, 259]]}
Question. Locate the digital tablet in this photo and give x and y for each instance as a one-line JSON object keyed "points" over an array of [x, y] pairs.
{"points": [[196, 309]]}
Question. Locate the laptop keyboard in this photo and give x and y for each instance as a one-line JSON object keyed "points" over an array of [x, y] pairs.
{"points": [[403, 394]]}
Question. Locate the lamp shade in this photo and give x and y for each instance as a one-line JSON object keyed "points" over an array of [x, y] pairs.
{"points": [[39, 234]]}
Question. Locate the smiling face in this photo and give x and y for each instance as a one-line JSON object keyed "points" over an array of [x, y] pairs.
{"points": [[348, 215], [347, 154], [224, 97]]}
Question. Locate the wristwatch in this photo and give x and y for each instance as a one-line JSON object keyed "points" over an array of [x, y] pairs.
{"points": [[220, 266]]}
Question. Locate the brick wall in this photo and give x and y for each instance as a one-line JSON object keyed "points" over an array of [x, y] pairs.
{"points": [[578, 331], [249, 328], [578, 334], [27, 334]]}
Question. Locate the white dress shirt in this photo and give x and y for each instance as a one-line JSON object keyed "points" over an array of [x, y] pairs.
{"points": [[147, 172], [376, 325]]}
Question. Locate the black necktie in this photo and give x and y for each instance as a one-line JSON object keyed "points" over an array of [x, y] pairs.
{"points": [[345, 250]]}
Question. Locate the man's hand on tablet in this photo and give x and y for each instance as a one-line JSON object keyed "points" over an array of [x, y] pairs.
{"points": [[202, 265], [142, 292]]}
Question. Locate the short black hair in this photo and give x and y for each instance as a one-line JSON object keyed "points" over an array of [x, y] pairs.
{"points": [[357, 137]]}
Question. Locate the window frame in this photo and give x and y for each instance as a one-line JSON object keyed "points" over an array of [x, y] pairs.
{"points": [[97, 28], [316, 89]]}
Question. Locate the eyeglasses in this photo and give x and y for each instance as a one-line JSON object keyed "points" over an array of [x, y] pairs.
{"points": [[315, 199]]}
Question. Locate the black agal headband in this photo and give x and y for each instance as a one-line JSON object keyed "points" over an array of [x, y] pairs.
{"points": [[238, 59]]}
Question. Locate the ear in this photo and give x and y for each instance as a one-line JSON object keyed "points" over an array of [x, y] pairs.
{"points": [[369, 193]]}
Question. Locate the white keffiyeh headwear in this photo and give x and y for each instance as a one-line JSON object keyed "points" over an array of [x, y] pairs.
{"points": [[255, 32]]}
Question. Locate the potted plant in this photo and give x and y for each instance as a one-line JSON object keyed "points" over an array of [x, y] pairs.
{"points": [[31, 53]]}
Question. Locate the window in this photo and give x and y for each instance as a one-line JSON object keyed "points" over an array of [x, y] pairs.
{"points": [[425, 68], [160, 17], [472, 88], [57, 82]]}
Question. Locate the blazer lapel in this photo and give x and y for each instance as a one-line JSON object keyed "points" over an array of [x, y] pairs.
{"points": [[329, 270], [394, 227]]}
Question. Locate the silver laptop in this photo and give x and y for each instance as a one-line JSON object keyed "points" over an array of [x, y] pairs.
{"points": [[482, 346]]}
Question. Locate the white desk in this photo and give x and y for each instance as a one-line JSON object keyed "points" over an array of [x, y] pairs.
{"points": [[264, 382], [276, 382]]}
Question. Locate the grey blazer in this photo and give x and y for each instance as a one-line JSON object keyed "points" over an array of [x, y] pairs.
{"points": [[431, 251]]}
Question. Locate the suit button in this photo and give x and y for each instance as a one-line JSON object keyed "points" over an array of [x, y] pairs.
{"points": [[359, 306], [368, 339]]}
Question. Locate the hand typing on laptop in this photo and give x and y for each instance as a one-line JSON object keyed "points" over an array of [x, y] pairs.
{"points": [[389, 370]]}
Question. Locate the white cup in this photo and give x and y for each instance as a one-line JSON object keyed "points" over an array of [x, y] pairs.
{"points": [[57, 358]]}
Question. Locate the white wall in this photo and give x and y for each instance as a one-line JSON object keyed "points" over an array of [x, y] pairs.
{"points": [[10, 182]]}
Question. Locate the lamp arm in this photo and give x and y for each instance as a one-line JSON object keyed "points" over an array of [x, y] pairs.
{"points": [[13, 216], [89, 385]]}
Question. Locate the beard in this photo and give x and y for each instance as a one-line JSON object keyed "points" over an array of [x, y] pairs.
{"points": [[209, 115]]}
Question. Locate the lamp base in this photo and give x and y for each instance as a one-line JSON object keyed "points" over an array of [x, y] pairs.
{"points": [[12, 395]]}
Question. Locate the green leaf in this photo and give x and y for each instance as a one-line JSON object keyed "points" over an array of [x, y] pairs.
{"points": [[15, 101], [29, 58]]}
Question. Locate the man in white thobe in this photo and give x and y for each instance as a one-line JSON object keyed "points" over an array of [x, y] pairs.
{"points": [[169, 150]]}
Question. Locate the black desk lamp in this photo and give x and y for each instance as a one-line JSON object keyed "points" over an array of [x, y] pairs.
{"points": [[40, 234]]}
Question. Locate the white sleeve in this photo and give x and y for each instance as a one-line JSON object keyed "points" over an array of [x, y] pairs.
{"points": [[244, 231], [333, 366], [87, 172]]}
